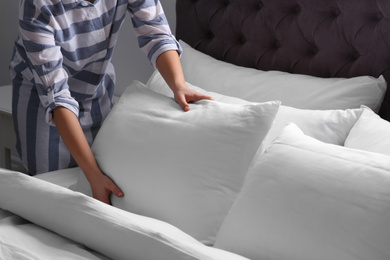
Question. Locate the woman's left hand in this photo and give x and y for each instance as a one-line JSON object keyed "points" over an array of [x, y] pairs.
{"points": [[168, 63], [185, 95]]}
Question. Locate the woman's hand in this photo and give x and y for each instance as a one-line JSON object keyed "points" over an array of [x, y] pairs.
{"points": [[102, 187], [185, 95], [73, 136], [168, 64]]}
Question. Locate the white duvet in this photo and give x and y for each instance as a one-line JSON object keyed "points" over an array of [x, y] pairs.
{"points": [[41, 220], [21, 239]]}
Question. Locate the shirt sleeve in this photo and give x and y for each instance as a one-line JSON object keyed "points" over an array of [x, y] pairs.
{"points": [[152, 28], [44, 58]]}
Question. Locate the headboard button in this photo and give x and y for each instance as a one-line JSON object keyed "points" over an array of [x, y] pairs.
{"points": [[379, 16], [297, 9], [313, 51], [242, 40], [276, 45], [260, 5], [209, 35], [336, 12], [354, 56]]}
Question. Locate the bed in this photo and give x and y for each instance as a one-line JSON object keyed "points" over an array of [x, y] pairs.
{"points": [[290, 161]]}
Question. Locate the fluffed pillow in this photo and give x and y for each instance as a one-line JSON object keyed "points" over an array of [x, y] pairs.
{"points": [[370, 133], [116, 233], [329, 126], [157, 83], [305, 200], [184, 168], [299, 91]]}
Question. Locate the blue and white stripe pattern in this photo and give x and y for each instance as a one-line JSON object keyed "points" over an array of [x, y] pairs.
{"points": [[62, 57]]}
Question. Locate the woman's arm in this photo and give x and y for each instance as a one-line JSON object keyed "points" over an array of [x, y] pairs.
{"points": [[168, 64], [156, 40], [73, 136]]}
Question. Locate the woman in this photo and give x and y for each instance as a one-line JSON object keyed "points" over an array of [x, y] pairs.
{"points": [[63, 78]]}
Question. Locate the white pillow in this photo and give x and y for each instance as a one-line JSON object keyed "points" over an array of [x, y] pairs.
{"points": [[370, 133], [299, 91], [329, 126], [116, 233], [157, 83], [184, 168], [305, 199]]}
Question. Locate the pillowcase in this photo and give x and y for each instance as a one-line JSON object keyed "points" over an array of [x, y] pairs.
{"points": [[116, 233], [370, 133], [299, 91], [329, 126], [305, 199], [184, 168], [157, 83]]}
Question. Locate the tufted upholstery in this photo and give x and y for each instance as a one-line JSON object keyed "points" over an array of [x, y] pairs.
{"points": [[326, 38]]}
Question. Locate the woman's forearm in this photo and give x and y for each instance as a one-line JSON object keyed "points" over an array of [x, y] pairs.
{"points": [[73, 136], [169, 66]]}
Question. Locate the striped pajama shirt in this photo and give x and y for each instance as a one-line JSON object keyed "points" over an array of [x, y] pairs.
{"points": [[62, 57]]}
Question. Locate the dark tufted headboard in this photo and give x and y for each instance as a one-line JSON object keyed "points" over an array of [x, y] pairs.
{"points": [[326, 38]]}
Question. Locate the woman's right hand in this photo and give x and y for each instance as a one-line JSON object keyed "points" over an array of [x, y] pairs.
{"points": [[73, 136], [102, 187]]}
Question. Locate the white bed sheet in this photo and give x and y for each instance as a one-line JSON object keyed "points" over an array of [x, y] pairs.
{"points": [[52, 222], [66, 178], [21, 239]]}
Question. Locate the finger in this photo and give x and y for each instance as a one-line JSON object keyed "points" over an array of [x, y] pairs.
{"points": [[202, 96], [112, 188], [196, 96], [181, 100], [117, 192]]}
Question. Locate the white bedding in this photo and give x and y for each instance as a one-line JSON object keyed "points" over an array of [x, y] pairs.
{"points": [[295, 90], [184, 168], [43, 217], [80, 220], [22, 239], [66, 178]]}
